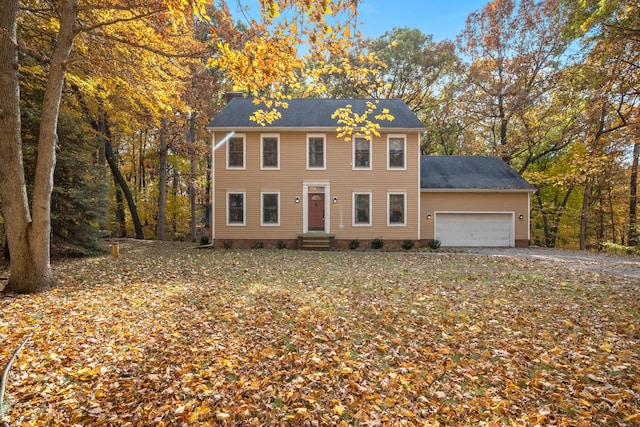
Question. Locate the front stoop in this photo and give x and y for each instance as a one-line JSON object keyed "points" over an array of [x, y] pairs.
{"points": [[315, 241]]}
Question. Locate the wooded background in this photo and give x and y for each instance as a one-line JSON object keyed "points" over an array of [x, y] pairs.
{"points": [[551, 87]]}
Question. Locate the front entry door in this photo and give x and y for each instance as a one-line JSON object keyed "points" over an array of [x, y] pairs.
{"points": [[316, 212]]}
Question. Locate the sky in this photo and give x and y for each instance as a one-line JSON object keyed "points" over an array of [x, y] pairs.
{"points": [[444, 19]]}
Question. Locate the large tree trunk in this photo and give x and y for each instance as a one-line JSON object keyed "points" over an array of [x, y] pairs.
{"points": [[29, 234], [634, 233]]}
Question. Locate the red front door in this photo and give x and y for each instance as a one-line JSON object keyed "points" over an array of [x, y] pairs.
{"points": [[316, 212]]}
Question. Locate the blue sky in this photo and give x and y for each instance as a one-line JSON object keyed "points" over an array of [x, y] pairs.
{"points": [[442, 18]]}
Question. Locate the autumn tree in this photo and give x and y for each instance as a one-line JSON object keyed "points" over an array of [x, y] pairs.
{"points": [[515, 53], [28, 226], [610, 32]]}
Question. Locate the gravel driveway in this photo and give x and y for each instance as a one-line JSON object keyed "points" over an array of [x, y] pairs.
{"points": [[623, 266]]}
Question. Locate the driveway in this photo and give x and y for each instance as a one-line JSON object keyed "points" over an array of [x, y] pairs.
{"points": [[622, 266]]}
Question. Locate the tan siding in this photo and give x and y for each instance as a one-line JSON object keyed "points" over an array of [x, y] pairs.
{"points": [[518, 203], [289, 179]]}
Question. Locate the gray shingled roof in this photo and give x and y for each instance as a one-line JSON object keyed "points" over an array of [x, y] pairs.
{"points": [[469, 172], [311, 113]]}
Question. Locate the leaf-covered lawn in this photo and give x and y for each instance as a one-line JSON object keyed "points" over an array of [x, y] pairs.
{"points": [[171, 335]]}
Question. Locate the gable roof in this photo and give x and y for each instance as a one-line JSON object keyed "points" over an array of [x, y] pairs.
{"points": [[311, 114], [469, 172]]}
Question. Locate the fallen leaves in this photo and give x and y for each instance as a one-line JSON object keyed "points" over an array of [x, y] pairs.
{"points": [[167, 335]]}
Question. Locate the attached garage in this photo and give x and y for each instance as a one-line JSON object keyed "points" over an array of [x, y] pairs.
{"points": [[474, 229], [473, 201]]}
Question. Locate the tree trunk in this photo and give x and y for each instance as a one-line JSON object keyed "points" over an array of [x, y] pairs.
{"points": [[192, 178], [29, 233], [162, 196], [634, 233], [113, 165], [120, 216], [584, 214]]}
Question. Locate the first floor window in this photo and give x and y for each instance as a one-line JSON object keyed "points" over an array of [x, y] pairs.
{"points": [[270, 209], [397, 209], [235, 213], [362, 209]]}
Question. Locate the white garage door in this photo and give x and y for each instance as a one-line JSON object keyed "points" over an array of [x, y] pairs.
{"points": [[474, 229]]}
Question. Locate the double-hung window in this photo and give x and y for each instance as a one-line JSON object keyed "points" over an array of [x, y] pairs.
{"points": [[397, 208], [396, 152], [236, 152], [361, 153], [270, 151], [361, 209], [236, 208], [270, 209], [316, 153]]}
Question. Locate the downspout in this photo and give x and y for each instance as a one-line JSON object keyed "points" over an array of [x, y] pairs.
{"points": [[215, 147]]}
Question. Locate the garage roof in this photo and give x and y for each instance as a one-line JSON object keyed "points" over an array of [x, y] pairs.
{"points": [[312, 113], [469, 172]]}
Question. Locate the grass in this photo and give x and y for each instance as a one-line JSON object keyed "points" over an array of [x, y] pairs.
{"points": [[170, 335]]}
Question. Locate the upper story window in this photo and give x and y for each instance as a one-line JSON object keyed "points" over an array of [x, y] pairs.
{"points": [[316, 153], [396, 151], [361, 153], [236, 152], [270, 152]]}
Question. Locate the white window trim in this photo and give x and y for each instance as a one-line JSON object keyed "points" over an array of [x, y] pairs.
{"points": [[244, 152], [244, 208], [324, 150], [268, 224], [404, 152], [395, 224], [269, 135], [353, 204], [353, 154]]}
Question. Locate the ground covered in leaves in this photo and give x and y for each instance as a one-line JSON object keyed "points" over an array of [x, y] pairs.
{"points": [[171, 335]]}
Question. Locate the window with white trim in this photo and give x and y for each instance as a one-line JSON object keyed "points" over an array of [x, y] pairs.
{"points": [[361, 209], [270, 208], [236, 208], [316, 154], [270, 152], [361, 153], [235, 152], [396, 152], [397, 208]]}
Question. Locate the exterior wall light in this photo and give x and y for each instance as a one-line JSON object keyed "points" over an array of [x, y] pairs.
{"points": [[297, 199], [521, 216], [335, 199], [429, 216]]}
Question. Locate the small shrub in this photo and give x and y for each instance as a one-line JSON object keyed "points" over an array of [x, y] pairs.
{"points": [[407, 245], [433, 244], [353, 244], [228, 244], [615, 248], [258, 244], [281, 244], [377, 243], [204, 240]]}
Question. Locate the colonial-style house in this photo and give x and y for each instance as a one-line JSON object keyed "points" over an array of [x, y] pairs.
{"points": [[295, 183]]}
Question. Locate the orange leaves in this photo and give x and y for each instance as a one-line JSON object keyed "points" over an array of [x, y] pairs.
{"points": [[175, 336]]}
